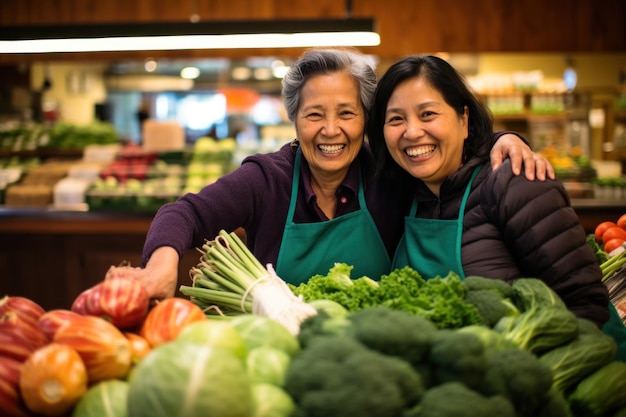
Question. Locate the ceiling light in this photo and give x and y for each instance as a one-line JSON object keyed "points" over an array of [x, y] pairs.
{"points": [[188, 35], [240, 73], [150, 65], [190, 73], [262, 73]]}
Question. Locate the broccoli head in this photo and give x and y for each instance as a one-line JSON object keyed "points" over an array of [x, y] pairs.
{"points": [[490, 337], [519, 376], [321, 324], [458, 356], [473, 283], [555, 405], [393, 332], [453, 399], [338, 376], [491, 305]]}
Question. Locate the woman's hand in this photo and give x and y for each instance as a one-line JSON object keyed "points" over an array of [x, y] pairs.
{"points": [[511, 146], [160, 275]]}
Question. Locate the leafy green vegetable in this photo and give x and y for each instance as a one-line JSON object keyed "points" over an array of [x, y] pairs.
{"points": [[271, 401], [337, 286], [573, 361], [540, 328], [215, 333], [601, 255], [332, 308], [106, 398], [533, 292], [602, 392], [189, 380], [259, 331], [267, 365], [440, 300]]}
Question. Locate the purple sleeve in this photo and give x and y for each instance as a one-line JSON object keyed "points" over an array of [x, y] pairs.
{"points": [[242, 198]]}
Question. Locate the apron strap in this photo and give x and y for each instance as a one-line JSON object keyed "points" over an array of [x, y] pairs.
{"points": [[459, 234]]}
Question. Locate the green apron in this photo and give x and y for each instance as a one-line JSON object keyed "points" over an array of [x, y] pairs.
{"points": [[433, 246], [309, 249], [617, 330], [425, 247]]}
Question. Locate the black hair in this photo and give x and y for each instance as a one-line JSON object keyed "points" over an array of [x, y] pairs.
{"points": [[455, 91]]}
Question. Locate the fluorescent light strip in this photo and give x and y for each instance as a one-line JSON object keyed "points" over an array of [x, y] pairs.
{"points": [[154, 43]]}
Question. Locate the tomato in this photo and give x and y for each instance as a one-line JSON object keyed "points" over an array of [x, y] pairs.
{"points": [[601, 228], [168, 318], [621, 222], [612, 244], [53, 379], [612, 233]]}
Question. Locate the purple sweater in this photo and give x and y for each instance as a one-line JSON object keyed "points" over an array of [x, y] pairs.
{"points": [[256, 197]]}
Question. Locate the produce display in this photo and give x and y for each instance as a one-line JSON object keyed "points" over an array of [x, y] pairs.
{"points": [[609, 245], [243, 343]]}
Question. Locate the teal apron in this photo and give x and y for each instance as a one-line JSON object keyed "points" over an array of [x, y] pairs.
{"points": [[309, 249], [425, 247], [615, 328], [433, 246]]}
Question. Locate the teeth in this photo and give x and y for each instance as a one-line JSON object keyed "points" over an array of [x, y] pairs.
{"points": [[420, 151], [330, 148]]}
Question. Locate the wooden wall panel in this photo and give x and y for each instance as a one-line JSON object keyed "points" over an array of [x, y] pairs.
{"points": [[406, 26]]}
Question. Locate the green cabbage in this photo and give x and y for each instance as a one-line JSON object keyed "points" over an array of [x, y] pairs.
{"points": [[216, 333], [271, 401], [185, 379], [105, 399], [267, 365], [262, 331]]}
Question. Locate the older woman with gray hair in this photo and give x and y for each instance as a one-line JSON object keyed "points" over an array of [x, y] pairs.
{"points": [[314, 201]]}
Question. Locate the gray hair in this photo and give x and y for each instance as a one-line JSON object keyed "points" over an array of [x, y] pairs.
{"points": [[326, 61]]}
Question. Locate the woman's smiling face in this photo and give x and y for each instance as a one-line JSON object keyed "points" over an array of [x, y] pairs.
{"points": [[330, 122], [424, 134]]}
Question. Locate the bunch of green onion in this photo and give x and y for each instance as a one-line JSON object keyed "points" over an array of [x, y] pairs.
{"points": [[613, 265], [230, 281]]}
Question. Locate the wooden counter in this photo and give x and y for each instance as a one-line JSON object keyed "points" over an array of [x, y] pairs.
{"points": [[51, 256]]}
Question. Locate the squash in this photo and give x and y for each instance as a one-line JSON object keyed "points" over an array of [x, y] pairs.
{"points": [[52, 380], [103, 347]]}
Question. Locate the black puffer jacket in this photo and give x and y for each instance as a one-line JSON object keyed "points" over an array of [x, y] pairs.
{"points": [[517, 228]]}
